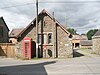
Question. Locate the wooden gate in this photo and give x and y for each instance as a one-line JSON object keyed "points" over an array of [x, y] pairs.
{"points": [[7, 50]]}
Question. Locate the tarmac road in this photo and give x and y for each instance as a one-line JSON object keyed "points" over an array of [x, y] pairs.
{"points": [[72, 66]]}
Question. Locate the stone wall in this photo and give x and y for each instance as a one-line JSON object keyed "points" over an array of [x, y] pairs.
{"points": [[64, 44], [13, 40], [62, 47], [96, 45], [86, 47], [31, 33], [18, 50]]}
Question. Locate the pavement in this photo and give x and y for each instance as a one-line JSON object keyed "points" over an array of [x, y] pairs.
{"points": [[82, 65]]}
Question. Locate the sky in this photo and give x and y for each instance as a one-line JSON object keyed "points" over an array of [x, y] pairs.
{"points": [[82, 15]]}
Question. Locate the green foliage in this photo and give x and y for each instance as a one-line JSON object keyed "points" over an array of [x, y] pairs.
{"points": [[90, 33], [72, 31]]}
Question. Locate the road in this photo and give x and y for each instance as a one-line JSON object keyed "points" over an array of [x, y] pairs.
{"points": [[82, 65]]}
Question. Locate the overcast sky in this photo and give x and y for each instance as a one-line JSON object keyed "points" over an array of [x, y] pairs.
{"points": [[82, 15]]}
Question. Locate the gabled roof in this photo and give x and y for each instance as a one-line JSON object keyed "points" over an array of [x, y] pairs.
{"points": [[44, 11], [86, 42], [2, 20], [15, 32], [79, 37], [34, 20]]}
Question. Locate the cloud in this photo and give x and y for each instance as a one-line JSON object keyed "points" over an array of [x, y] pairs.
{"points": [[14, 20], [80, 19], [17, 17], [80, 16]]}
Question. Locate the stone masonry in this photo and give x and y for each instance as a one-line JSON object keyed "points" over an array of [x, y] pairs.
{"points": [[61, 45], [96, 44]]}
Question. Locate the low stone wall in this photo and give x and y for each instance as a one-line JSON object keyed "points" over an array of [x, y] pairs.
{"points": [[7, 50], [18, 50], [86, 47], [96, 45]]}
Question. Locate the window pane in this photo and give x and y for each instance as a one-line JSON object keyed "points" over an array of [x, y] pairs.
{"points": [[49, 38], [42, 38]]}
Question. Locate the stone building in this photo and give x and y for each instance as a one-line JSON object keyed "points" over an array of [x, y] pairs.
{"points": [[76, 40], [50, 34], [86, 44], [13, 35], [96, 42], [4, 31]]}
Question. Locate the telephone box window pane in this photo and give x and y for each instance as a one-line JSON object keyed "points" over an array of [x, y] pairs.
{"points": [[26, 49], [49, 38]]}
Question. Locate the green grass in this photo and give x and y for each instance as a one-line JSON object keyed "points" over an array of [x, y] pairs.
{"points": [[87, 50], [93, 53]]}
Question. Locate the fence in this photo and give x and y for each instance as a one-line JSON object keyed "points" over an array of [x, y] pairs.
{"points": [[7, 50]]}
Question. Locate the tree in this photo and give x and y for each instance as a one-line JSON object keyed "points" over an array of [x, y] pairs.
{"points": [[72, 31], [90, 33]]}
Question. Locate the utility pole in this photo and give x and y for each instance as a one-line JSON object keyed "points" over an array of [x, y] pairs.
{"points": [[66, 21], [53, 35], [36, 28]]}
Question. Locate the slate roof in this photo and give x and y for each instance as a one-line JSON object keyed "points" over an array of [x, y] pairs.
{"points": [[86, 42], [34, 20], [15, 32], [2, 21], [79, 37]]}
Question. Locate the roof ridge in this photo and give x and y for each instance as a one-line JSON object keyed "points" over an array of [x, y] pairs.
{"points": [[44, 11]]}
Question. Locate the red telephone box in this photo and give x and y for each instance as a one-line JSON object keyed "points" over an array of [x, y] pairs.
{"points": [[27, 48]]}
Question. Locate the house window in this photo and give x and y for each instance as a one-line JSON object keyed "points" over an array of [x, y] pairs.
{"points": [[49, 38], [45, 38], [1, 31]]}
